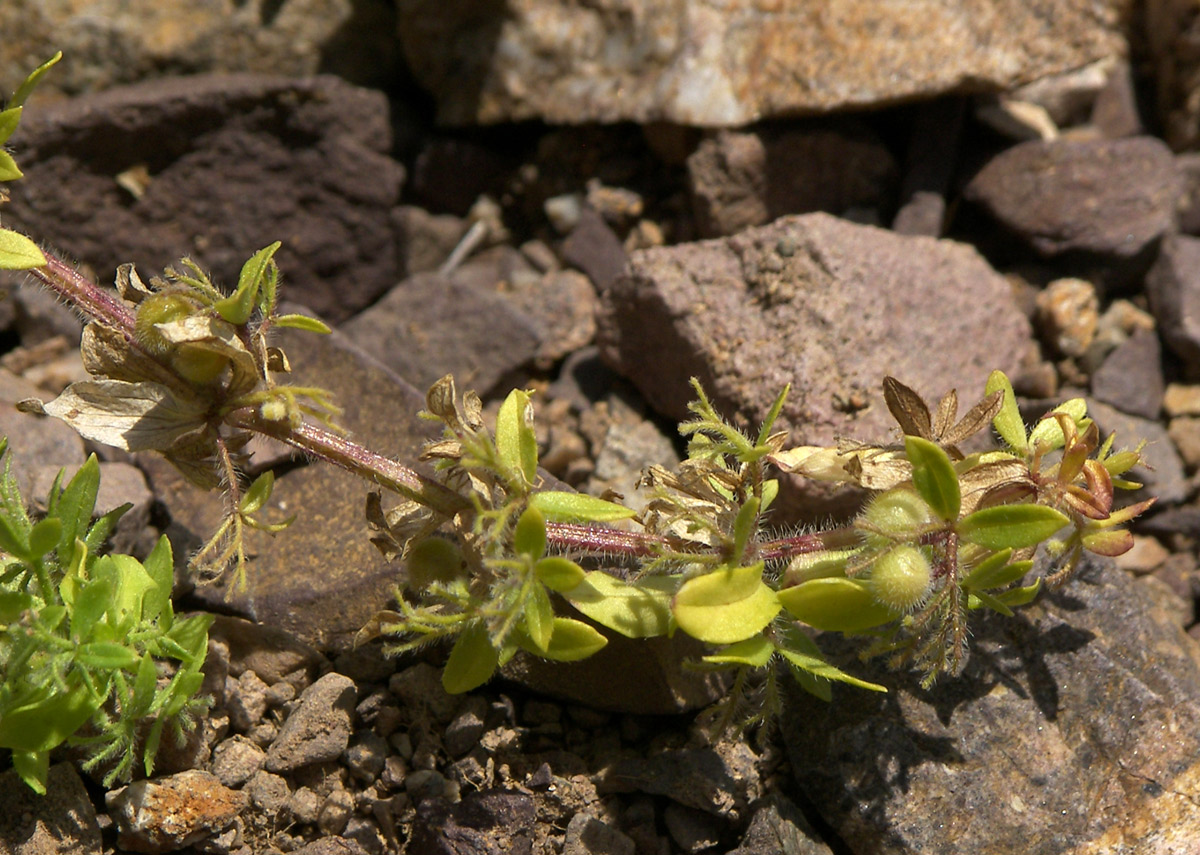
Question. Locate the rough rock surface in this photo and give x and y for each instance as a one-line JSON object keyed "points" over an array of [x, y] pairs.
{"points": [[1108, 197], [825, 305], [1173, 286], [63, 820], [318, 729], [216, 167], [1074, 729], [731, 63], [165, 814]]}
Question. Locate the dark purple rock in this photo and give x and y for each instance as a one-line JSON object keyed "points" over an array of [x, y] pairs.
{"points": [[1130, 378], [1075, 727], [1115, 110], [825, 305], [1106, 197], [232, 163], [1173, 286], [595, 249], [748, 178], [489, 822]]}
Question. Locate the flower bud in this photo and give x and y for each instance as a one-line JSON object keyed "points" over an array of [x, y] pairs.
{"points": [[901, 578]]}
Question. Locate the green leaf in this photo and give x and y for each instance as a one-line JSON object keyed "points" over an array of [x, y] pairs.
{"points": [[982, 599], [558, 573], [75, 506], [818, 667], [1020, 596], [539, 617], [638, 610], [726, 605], [1048, 433], [160, 565], [1008, 422], [996, 572], [433, 559], [472, 661], [14, 540], [18, 252], [764, 432], [303, 322], [133, 583], [744, 526], [44, 536], [107, 655], [9, 119], [754, 652], [1011, 526], [34, 769], [934, 476], [835, 604], [770, 489], [144, 685], [561, 506], [9, 171], [570, 641], [26, 88], [515, 440], [258, 494], [238, 306], [529, 535], [91, 603], [48, 719], [12, 605], [191, 634]]}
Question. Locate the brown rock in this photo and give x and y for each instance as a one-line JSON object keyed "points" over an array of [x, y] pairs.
{"points": [[742, 179], [825, 305], [232, 163], [1108, 197], [1067, 312], [729, 64], [173, 812], [34, 442], [1173, 286], [63, 820], [1075, 728], [1131, 377]]}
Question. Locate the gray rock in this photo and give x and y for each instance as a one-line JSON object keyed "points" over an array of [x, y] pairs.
{"points": [[825, 305], [246, 700], [1131, 377], [1074, 728], [332, 845], [740, 179], [693, 777], [234, 163], [1164, 475], [34, 442], [269, 793], [489, 822], [61, 821], [269, 652], [170, 813], [1111, 198], [1173, 286], [1169, 31], [318, 729], [692, 830], [779, 828], [235, 760], [419, 690], [594, 248], [657, 60], [426, 240], [1188, 164], [365, 756], [587, 835], [463, 733]]}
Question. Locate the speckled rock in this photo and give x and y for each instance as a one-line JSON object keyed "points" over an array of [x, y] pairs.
{"points": [[61, 821], [825, 305], [170, 813], [318, 729], [687, 62], [1075, 729]]}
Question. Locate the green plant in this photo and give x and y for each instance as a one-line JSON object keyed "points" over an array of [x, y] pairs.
{"points": [[494, 564]]}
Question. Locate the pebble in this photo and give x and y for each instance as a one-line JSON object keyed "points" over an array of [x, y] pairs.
{"points": [[1184, 432], [1146, 556], [1182, 399], [269, 792], [365, 756], [427, 784], [235, 760], [1068, 312], [170, 813], [246, 700], [318, 729], [587, 835], [335, 812], [304, 805], [419, 688], [463, 733]]}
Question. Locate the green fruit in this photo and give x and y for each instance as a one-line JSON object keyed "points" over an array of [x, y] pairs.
{"points": [[901, 578], [898, 514], [159, 309]]}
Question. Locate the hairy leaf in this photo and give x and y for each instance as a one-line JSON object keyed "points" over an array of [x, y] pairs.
{"points": [[1011, 526], [638, 610], [18, 252], [472, 661], [934, 476], [835, 604], [726, 605], [754, 652], [561, 506]]}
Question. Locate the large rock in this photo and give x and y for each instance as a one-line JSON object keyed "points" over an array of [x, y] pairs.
{"points": [[1075, 728], [825, 305], [730, 63], [217, 167]]}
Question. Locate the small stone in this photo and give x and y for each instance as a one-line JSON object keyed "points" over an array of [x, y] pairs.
{"points": [[427, 784], [1184, 432], [235, 760], [402, 742], [246, 700], [1182, 399], [587, 835], [366, 833], [593, 248], [1146, 556], [1131, 377], [318, 729], [61, 821], [268, 792], [1068, 311], [779, 826], [463, 733], [492, 820], [395, 770], [173, 812], [332, 845], [305, 805], [692, 830], [365, 756], [619, 206], [418, 688], [563, 212], [1017, 119], [335, 812], [1173, 287]]}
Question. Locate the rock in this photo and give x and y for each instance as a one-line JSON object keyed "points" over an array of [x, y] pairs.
{"points": [[234, 163], [1173, 287], [778, 827], [1074, 729], [268, 793], [34, 442], [1184, 432], [1067, 312], [318, 729], [425, 240], [697, 778], [562, 306], [246, 700], [692, 830], [740, 179], [1163, 476], [1182, 399], [1146, 556], [62, 820], [657, 60], [825, 305], [269, 652], [166, 37], [419, 690], [595, 249], [587, 835], [463, 733], [488, 822], [1131, 378], [235, 761], [1111, 198], [170, 813], [1069, 98], [933, 146], [1115, 111], [1188, 165], [331, 845], [1169, 33], [1016, 119], [365, 756], [430, 325]]}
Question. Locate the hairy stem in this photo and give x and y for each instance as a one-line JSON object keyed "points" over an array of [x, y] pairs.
{"points": [[99, 304]]}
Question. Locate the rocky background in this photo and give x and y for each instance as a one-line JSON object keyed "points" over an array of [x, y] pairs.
{"points": [[599, 201]]}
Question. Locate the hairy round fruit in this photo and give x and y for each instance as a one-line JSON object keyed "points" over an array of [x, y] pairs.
{"points": [[898, 514], [901, 578], [159, 309]]}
